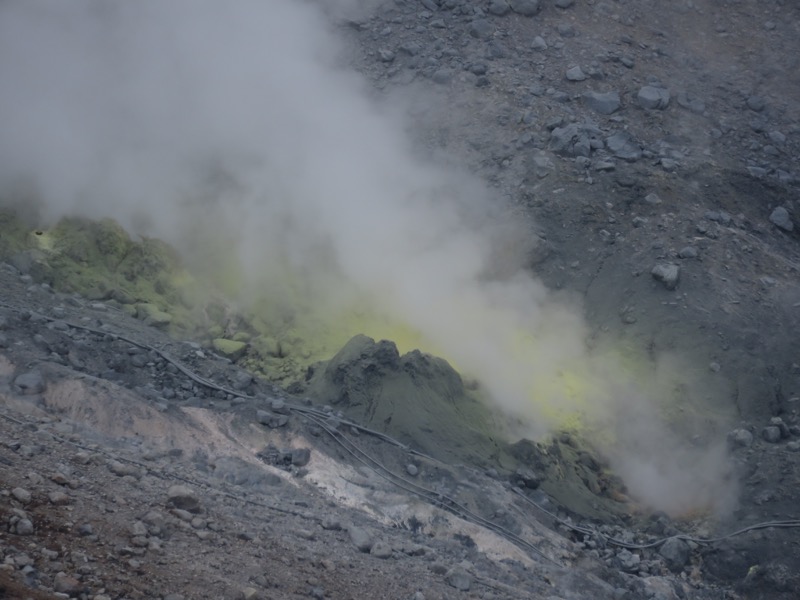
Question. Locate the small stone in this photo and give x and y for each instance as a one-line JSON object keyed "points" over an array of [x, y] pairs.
{"points": [[278, 406], [780, 218], [30, 383], [628, 561], [59, 498], [624, 146], [459, 579], [121, 469], [605, 103], [64, 584], [771, 434], [271, 420], [230, 349], [777, 138], [740, 438], [564, 3], [652, 198], [756, 103], [442, 76], [526, 8], [780, 424], [566, 30], [184, 498], [498, 8], [331, 523], [527, 478], [412, 469], [668, 274], [675, 553], [791, 446], [22, 495], [301, 457], [249, 593], [652, 97], [688, 252], [481, 29], [152, 315], [575, 74], [360, 538], [24, 527], [381, 549], [539, 43]]}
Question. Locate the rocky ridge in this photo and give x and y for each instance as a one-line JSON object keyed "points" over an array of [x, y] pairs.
{"points": [[654, 145]]}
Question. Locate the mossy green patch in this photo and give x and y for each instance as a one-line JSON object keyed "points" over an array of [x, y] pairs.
{"points": [[230, 349], [153, 315], [100, 261]]}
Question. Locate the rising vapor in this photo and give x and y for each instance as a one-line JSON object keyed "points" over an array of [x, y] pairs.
{"points": [[239, 125]]}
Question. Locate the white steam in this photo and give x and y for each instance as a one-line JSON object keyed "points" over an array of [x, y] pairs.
{"points": [[200, 119]]}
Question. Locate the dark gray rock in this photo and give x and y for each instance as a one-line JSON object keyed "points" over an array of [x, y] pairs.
{"points": [[121, 469], [668, 274], [524, 477], [624, 146], [675, 553], [498, 8], [381, 549], [771, 434], [756, 103], [575, 74], [718, 216], [688, 252], [777, 138], [526, 8], [361, 538], [780, 218], [481, 29], [564, 3], [780, 424], [652, 97], [541, 165], [278, 406], [539, 43], [271, 420], [64, 584], [689, 102], [21, 495], [301, 457], [23, 527], [184, 498], [30, 383], [628, 561], [605, 103], [740, 438], [566, 30], [459, 579], [442, 76], [331, 523]]}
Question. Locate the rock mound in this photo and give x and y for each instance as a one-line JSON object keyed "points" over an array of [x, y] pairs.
{"points": [[417, 398]]}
